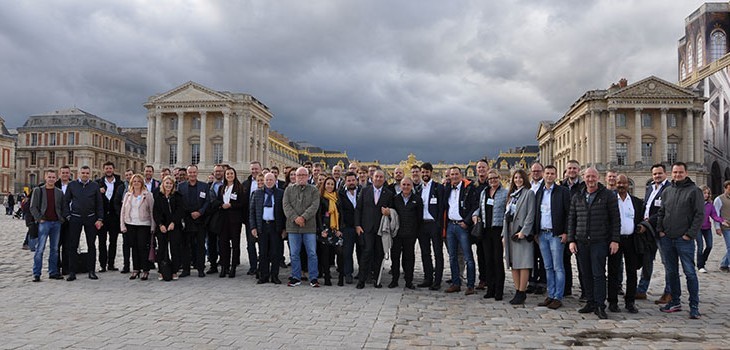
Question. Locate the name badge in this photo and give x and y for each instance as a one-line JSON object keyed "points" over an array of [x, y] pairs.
{"points": [[234, 196], [629, 215], [433, 201], [657, 202], [202, 195], [490, 201]]}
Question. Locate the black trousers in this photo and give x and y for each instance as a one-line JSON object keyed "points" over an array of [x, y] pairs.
{"points": [[126, 251], [350, 241], [372, 256], [213, 247], [270, 251], [229, 240], [62, 250], [627, 252], [480, 259], [324, 252], [75, 225], [494, 259], [431, 236], [169, 248], [110, 230], [592, 259], [193, 237], [538, 277], [568, 267], [407, 247], [139, 237]]}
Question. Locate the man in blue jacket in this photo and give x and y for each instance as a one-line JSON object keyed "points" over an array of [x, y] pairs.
{"points": [[195, 197], [83, 199], [267, 220]]}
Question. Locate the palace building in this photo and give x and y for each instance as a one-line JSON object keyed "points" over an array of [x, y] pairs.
{"points": [[628, 128], [193, 124]]}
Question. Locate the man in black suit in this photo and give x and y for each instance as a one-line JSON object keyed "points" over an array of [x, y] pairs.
{"points": [[551, 219], [348, 199], [458, 211], [266, 216], [62, 183], [249, 187], [195, 197], [374, 202], [432, 194], [213, 217], [337, 175], [652, 203], [575, 184], [149, 181], [112, 192]]}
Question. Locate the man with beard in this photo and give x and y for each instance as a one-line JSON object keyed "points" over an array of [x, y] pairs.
{"points": [[112, 192], [398, 175], [348, 199], [149, 181], [249, 187], [432, 194], [213, 218]]}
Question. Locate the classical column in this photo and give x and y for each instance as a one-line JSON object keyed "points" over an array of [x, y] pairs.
{"points": [[151, 123], [261, 141], [266, 145], [159, 135], [663, 136], [637, 135], [689, 137], [611, 135], [699, 128], [226, 136], [203, 140], [181, 139], [596, 117], [240, 137]]}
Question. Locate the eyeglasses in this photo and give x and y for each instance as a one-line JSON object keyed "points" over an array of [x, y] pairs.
{"points": [[492, 178]]}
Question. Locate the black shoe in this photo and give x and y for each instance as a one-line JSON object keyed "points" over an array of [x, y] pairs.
{"points": [[425, 284], [232, 273], [631, 308], [410, 286], [341, 281], [201, 273], [92, 276], [184, 274], [377, 285], [125, 269], [435, 286], [212, 270], [601, 313], [55, 277], [530, 289], [587, 308], [393, 284], [621, 292], [36, 278], [222, 274], [275, 280], [261, 281], [102, 269], [327, 281], [71, 276], [282, 265], [360, 285], [251, 272], [112, 268], [348, 280], [490, 294], [613, 307]]}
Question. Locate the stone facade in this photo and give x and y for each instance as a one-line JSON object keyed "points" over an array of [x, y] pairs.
{"points": [[71, 137], [7, 160], [192, 124], [629, 128]]}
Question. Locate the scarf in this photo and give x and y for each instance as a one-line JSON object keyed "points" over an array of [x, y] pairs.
{"points": [[268, 197], [331, 197]]}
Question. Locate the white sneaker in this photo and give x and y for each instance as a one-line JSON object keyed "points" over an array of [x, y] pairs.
{"points": [[702, 270]]}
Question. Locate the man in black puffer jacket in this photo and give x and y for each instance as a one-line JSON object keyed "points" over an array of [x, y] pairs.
{"points": [[594, 228]]}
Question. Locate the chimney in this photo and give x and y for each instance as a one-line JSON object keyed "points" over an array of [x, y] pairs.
{"points": [[623, 82]]}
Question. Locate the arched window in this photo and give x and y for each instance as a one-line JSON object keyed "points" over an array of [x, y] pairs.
{"points": [[700, 48], [682, 71], [718, 44], [690, 58]]}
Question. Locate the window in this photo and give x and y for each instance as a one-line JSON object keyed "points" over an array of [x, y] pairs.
{"points": [[70, 157], [52, 139], [682, 71], [218, 123], [700, 53], [690, 58], [622, 151], [196, 123], [718, 44], [106, 143], [672, 150], [173, 154], [173, 123], [34, 139], [646, 120], [33, 158], [671, 120], [620, 120], [647, 152], [72, 138], [195, 153], [51, 158], [217, 153], [33, 178]]}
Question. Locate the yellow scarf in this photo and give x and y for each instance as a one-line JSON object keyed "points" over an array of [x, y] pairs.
{"points": [[334, 215]]}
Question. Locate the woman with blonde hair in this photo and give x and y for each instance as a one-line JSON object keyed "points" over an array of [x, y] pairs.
{"points": [[169, 210], [138, 223]]}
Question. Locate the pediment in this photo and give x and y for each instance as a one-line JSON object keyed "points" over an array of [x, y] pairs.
{"points": [[190, 92], [652, 87]]}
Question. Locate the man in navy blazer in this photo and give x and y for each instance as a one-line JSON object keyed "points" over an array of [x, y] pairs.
{"points": [[195, 196], [374, 202], [652, 203], [458, 211], [432, 194], [266, 217], [551, 230], [348, 202]]}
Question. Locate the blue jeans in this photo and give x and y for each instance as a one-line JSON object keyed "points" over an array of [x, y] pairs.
{"points": [[678, 249], [552, 255], [705, 236], [52, 230], [458, 237], [295, 246], [726, 260], [647, 269]]}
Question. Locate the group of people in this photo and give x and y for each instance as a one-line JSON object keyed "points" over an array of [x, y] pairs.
{"points": [[336, 218]]}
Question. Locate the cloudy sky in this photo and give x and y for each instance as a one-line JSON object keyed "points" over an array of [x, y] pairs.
{"points": [[447, 80]]}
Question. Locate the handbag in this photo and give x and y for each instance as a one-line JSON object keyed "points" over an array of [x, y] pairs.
{"points": [[477, 230], [152, 257], [166, 270]]}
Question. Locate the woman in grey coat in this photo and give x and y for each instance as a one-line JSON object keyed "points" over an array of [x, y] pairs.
{"points": [[517, 233]]}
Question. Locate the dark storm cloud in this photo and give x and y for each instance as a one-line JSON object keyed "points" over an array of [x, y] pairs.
{"points": [[450, 81]]}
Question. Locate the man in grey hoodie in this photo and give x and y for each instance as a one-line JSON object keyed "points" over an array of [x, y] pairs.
{"points": [[680, 217]]}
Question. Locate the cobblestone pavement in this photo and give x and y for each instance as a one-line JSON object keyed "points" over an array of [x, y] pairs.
{"points": [[212, 312]]}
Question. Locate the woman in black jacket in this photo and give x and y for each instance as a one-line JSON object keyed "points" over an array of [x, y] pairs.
{"points": [[409, 207], [168, 211], [329, 223], [231, 196]]}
